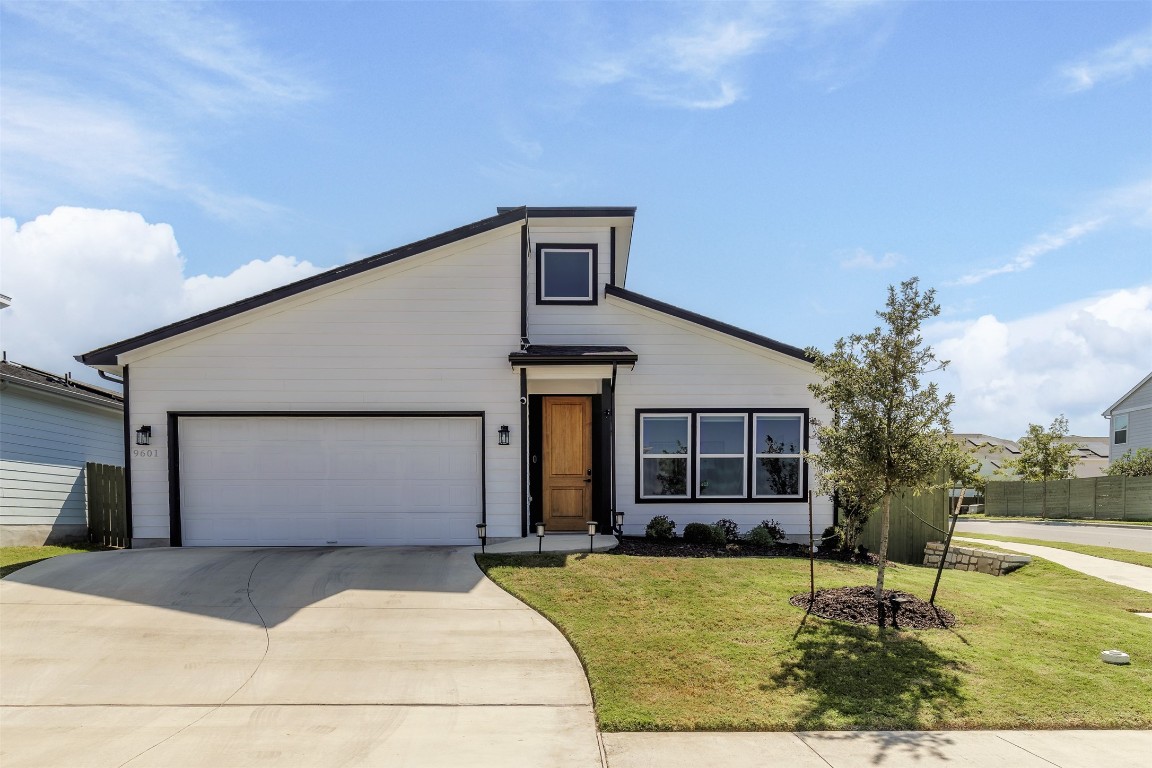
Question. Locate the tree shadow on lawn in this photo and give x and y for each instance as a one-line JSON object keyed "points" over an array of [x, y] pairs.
{"points": [[854, 679]]}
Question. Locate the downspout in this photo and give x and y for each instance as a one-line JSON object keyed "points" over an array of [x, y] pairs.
{"points": [[525, 482], [128, 442], [612, 452], [109, 377]]}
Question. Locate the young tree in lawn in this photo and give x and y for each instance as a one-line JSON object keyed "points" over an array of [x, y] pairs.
{"points": [[888, 430], [1043, 457]]}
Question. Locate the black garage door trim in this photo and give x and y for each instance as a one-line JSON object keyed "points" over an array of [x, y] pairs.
{"points": [[174, 524]]}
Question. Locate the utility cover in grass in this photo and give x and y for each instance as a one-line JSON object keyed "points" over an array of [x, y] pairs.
{"points": [[857, 605]]}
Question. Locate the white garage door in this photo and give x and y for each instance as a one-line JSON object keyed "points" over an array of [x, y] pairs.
{"points": [[308, 481]]}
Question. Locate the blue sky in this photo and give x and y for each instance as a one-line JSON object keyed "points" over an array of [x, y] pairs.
{"points": [[788, 160]]}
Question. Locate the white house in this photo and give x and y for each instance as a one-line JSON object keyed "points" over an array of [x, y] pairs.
{"points": [[499, 373], [50, 427], [1130, 420]]}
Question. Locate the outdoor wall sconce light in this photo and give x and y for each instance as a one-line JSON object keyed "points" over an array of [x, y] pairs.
{"points": [[504, 433], [591, 534], [482, 534], [144, 435], [539, 537], [619, 519]]}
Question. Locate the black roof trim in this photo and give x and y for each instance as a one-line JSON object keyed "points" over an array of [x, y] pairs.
{"points": [[707, 322], [561, 354], [609, 212], [107, 355]]}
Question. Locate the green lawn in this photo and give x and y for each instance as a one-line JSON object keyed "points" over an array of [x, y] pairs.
{"points": [[1109, 553], [15, 558], [712, 644]]}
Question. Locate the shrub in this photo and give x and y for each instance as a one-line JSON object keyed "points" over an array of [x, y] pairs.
{"points": [[661, 527], [760, 537], [730, 528], [832, 540], [773, 529], [704, 534]]}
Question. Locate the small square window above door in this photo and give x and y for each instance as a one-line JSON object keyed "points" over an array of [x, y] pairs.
{"points": [[565, 274]]}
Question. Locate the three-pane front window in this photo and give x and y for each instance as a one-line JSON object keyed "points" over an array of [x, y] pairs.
{"points": [[721, 455]]}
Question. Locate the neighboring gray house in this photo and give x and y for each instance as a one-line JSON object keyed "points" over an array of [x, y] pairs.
{"points": [[50, 426], [498, 373], [1130, 420]]}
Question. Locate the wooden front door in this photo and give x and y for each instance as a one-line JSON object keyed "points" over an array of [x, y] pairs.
{"points": [[567, 463]]}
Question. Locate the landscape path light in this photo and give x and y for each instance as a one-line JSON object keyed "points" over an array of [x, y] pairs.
{"points": [[591, 534], [539, 537]]}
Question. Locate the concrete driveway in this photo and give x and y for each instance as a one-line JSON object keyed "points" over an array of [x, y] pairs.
{"points": [[287, 657]]}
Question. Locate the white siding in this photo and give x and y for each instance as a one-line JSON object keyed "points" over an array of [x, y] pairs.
{"points": [[682, 365], [1138, 407], [44, 443], [429, 333]]}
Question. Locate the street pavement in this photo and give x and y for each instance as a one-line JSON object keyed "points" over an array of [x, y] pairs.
{"points": [[1134, 537]]}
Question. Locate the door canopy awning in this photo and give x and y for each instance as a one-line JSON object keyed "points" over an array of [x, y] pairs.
{"points": [[569, 361]]}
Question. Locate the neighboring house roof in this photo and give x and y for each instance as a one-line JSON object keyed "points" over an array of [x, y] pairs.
{"points": [[994, 450], [65, 385], [706, 322], [1108, 412], [107, 355]]}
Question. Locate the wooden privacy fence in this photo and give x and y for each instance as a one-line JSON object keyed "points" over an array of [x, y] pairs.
{"points": [[916, 520], [107, 510], [1083, 498]]}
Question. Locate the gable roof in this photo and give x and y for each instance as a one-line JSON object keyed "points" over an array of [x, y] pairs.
{"points": [[505, 215], [706, 322], [44, 381], [1108, 412]]}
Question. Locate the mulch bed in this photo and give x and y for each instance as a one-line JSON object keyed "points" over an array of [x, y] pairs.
{"points": [[645, 547], [857, 605]]}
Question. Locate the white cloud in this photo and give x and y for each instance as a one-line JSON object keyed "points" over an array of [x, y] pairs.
{"points": [[1026, 257], [1119, 61], [1075, 359], [105, 98], [863, 259], [696, 61], [1129, 205], [80, 278]]}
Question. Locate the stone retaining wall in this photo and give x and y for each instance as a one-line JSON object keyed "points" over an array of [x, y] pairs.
{"points": [[968, 559]]}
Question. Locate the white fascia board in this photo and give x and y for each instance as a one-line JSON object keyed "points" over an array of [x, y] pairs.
{"points": [[567, 371]]}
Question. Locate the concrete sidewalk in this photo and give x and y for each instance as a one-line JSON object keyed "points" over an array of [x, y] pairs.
{"points": [[890, 749], [1125, 574]]}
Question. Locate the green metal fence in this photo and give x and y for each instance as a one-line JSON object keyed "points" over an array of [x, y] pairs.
{"points": [[916, 520], [1084, 498]]}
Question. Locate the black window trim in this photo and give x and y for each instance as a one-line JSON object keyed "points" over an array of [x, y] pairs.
{"points": [[749, 463], [594, 288]]}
